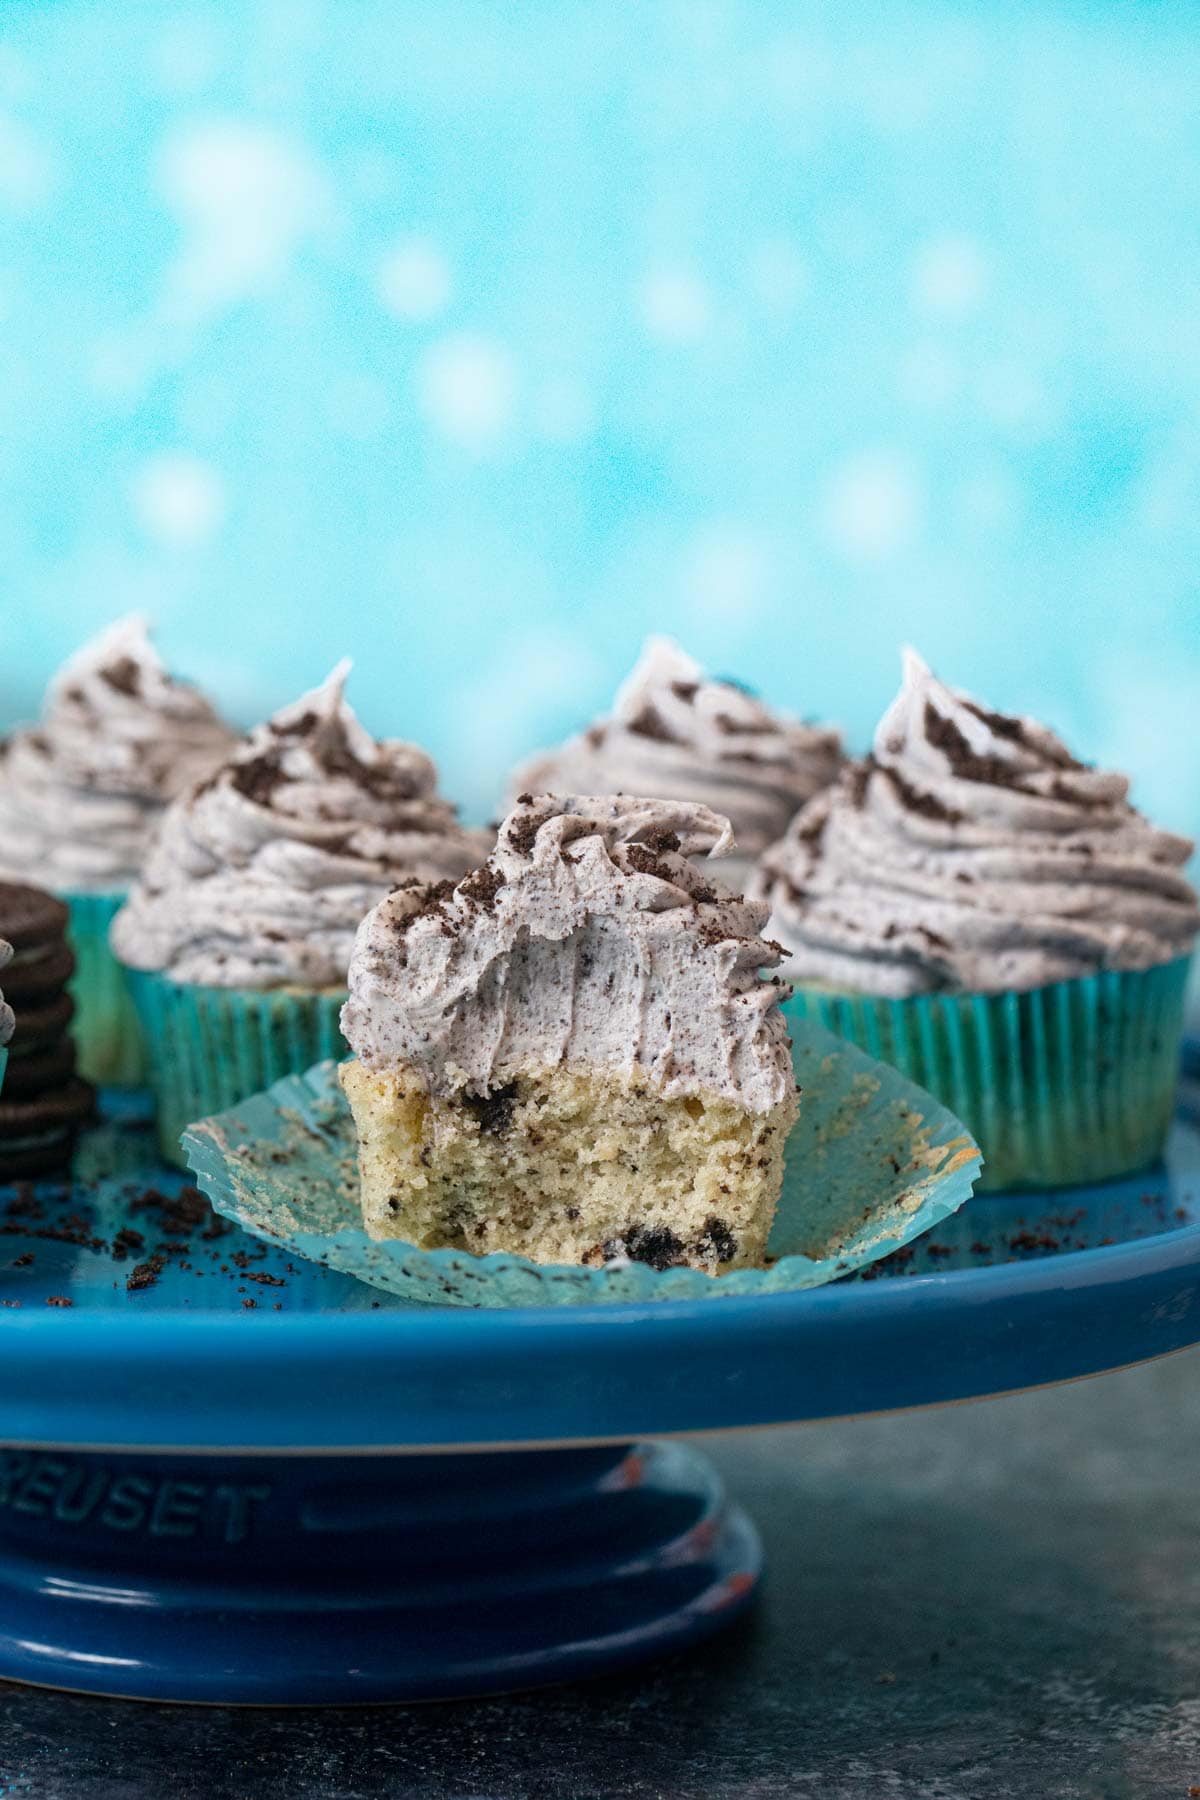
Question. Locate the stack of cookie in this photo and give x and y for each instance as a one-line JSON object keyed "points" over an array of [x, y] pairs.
{"points": [[44, 1103]]}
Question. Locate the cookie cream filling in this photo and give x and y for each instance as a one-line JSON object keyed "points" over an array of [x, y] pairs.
{"points": [[972, 852], [676, 734], [6, 1013], [589, 939], [82, 793], [261, 875]]}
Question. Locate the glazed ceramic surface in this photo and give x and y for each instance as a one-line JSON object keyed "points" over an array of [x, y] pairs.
{"points": [[207, 1499]]}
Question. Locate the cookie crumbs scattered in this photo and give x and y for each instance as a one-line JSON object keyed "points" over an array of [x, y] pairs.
{"points": [[145, 1274], [1033, 1240]]}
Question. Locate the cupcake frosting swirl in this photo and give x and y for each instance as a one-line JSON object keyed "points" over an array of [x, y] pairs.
{"points": [[677, 735], [6, 1012], [587, 938], [260, 876], [82, 793], [971, 852]]}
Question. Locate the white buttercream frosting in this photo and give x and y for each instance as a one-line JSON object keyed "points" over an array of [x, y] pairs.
{"points": [[588, 939], [972, 852], [676, 734], [82, 793], [262, 874]]}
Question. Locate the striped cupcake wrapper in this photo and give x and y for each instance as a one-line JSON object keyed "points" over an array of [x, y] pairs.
{"points": [[105, 1027], [210, 1047], [1067, 1083]]}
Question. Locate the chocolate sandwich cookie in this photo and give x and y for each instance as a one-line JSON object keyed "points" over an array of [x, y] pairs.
{"points": [[36, 1071], [42, 1026], [29, 916], [38, 1134], [44, 1104], [38, 974]]}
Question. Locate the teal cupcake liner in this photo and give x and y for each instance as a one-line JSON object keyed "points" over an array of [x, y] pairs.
{"points": [[1067, 1083], [107, 1035], [872, 1162], [3, 1063], [209, 1047]]}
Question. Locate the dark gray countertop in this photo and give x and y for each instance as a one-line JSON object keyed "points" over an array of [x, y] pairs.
{"points": [[988, 1602]]}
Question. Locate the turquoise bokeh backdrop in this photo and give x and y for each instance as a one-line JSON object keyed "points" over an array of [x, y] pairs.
{"points": [[477, 340]]}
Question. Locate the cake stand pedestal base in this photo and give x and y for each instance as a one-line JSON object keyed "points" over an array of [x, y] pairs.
{"points": [[312, 1579]]}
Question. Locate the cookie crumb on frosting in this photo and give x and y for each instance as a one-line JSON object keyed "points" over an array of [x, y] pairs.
{"points": [[677, 733], [263, 872], [972, 852]]}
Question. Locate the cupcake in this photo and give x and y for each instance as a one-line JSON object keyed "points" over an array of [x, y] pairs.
{"points": [[677, 735], [570, 1055], [976, 906], [81, 797], [238, 932]]}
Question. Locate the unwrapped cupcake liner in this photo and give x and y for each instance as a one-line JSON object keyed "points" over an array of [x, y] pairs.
{"points": [[872, 1162], [1067, 1083], [209, 1047], [105, 1027]]}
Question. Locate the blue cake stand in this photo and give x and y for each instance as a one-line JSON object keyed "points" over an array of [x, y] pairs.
{"points": [[231, 1478]]}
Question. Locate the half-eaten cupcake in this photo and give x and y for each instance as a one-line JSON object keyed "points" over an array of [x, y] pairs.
{"points": [[570, 1053]]}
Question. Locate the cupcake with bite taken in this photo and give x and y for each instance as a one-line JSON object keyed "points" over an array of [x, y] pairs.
{"points": [[570, 1054], [238, 933], [82, 794], [677, 734], [978, 907]]}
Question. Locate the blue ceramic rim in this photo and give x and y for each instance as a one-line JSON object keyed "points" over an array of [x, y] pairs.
{"points": [[763, 1338], [464, 1382]]}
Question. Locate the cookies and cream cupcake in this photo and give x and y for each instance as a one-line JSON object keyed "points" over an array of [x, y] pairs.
{"points": [[239, 931], [992, 915], [82, 794], [570, 1054], [83, 791], [677, 734]]}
